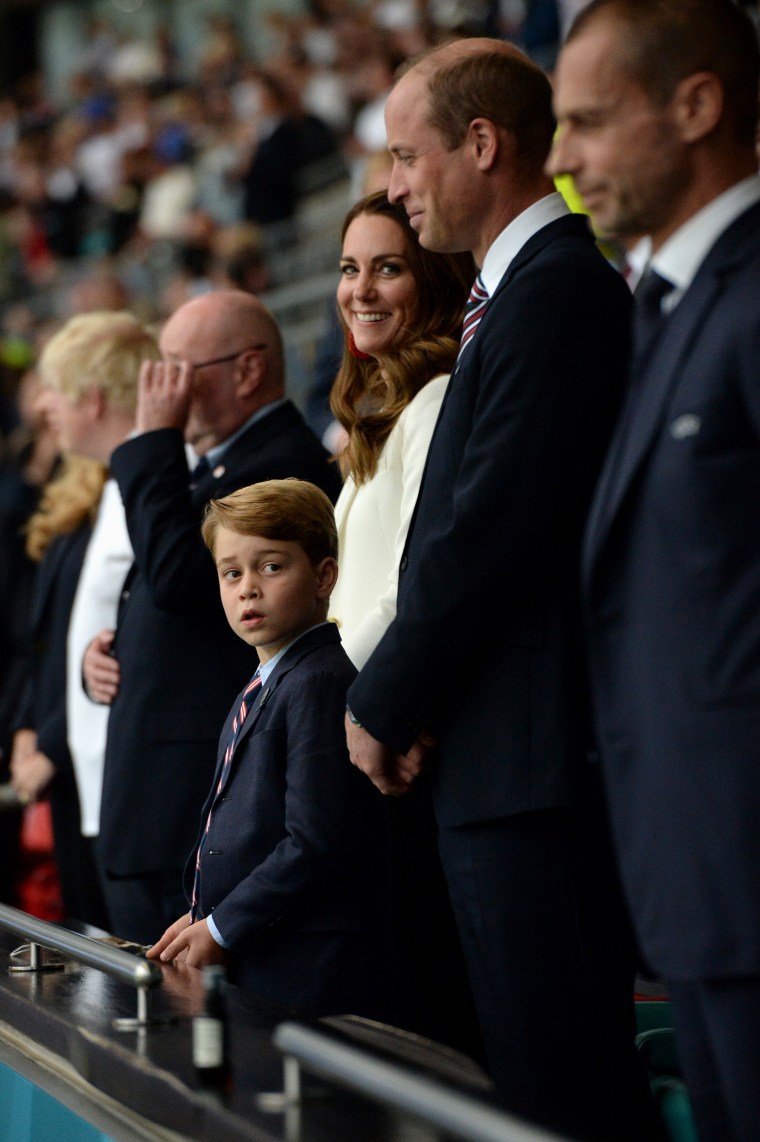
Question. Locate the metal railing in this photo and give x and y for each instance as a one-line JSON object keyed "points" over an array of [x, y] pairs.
{"points": [[124, 966], [396, 1087]]}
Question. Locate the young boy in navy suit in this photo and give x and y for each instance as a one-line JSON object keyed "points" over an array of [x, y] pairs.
{"points": [[285, 881]]}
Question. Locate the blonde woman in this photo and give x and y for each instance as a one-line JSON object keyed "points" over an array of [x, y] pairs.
{"points": [[90, 370]]}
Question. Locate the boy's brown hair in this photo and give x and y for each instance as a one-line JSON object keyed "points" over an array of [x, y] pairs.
{"points": [[290, 510]]}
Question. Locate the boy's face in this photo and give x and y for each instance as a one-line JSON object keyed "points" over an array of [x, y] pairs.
{"points": [[271, 591]]}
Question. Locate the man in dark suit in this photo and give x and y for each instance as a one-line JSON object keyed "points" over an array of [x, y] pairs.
{"points": [[485, 651], [174, 665], [658, 105]]}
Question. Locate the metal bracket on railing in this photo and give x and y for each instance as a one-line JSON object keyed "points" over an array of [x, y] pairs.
{"points": [[143, 1017], [35, 960], [139, 973]]}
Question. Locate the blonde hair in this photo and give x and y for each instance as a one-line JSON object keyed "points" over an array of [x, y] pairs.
{"points": [[70, 499], [101, 350], [291, 510]]}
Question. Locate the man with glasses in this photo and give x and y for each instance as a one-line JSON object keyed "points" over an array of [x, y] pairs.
{"points": [[172, 667]]}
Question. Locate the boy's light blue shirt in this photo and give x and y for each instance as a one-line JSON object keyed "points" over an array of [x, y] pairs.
{"points": [[264, 670]]}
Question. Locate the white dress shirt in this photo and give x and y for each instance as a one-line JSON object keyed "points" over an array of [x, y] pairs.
{"points": [[513, 237], [679, 258], [106, 563]]}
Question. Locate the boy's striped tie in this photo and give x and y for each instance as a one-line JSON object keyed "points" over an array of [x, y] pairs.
{"points": [[237, 724]]}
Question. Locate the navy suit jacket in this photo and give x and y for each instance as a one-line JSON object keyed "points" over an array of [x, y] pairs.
{"points": [[180, 662], [296, 839], [486, 646], [672, 582]]}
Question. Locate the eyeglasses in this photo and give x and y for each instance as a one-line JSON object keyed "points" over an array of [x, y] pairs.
{"points": [[229, 357]]}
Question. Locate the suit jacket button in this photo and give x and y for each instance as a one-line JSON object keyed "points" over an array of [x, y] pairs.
{"points": [[404, 563]]}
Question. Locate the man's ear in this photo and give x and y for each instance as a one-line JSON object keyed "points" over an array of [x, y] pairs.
{"points": [[327, 576], [483, 141], [252, 368], [698, 105]]}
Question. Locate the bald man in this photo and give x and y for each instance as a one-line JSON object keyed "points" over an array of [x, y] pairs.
{"points": [[489, 573], [173, 666]]}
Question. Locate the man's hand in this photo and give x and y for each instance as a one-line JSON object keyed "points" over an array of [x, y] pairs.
{"points": [[163, 397], [101, 671], [392, 773], [188, 943], [31, 770]]}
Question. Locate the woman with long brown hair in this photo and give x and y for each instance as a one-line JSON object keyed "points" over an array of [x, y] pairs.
{"points": [[401, 308]]}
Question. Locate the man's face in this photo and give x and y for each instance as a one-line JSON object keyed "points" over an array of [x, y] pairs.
{"points": [[623, 151], [215, 411], [433, 184]]}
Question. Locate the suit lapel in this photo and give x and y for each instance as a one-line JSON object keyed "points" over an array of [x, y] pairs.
{"points": [[643, 414], [318, 637], [569, 225], [49, 573], [263, 431], [262, 697]]}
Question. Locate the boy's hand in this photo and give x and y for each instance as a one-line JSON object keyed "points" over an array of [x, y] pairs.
{"points": [[188, 943], [169, 935], [100, 669], [392, 773]]}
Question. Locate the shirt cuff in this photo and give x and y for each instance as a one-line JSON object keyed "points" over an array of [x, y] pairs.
{"points": [[216, 933]]}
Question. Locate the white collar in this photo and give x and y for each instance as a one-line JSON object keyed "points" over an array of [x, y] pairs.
{"points": [[507, 246], [680, 257]]}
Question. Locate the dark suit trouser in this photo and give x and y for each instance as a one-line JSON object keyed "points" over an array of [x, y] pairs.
{"points": [[141, 908], [717, 1024], [552, 971]]}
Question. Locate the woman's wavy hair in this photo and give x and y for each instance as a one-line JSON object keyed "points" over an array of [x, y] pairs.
{"points": [[70, 499], [369, 395]]}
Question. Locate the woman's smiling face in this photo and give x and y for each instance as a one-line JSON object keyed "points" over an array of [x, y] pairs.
{"points": [[377, 294]]}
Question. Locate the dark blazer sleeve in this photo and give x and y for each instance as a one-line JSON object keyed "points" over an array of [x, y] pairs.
{"points": [[301, 757], [163, 519], [509, 475]]}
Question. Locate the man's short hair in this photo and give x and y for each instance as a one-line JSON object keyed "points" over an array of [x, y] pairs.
{"points": [[665, 41], [290, 510], [99, 351], [508, 89]]}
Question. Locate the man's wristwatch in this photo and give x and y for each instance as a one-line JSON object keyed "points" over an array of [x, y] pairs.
{"points": [[352, 717]]}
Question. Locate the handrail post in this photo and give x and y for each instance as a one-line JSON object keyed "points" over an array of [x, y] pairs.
{"points": [[139, 973]]}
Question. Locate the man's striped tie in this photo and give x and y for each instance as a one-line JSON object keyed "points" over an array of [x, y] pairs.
{"points": [[476, 304]]}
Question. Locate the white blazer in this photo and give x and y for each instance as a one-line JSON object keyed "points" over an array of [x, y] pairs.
{"points": [[373, 520]]}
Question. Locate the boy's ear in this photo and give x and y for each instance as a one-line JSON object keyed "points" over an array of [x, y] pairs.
{"points": [[327, 576]]}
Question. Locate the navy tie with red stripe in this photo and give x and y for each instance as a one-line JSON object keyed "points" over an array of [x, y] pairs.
{"points": [[249, 697], [476, 304]]}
